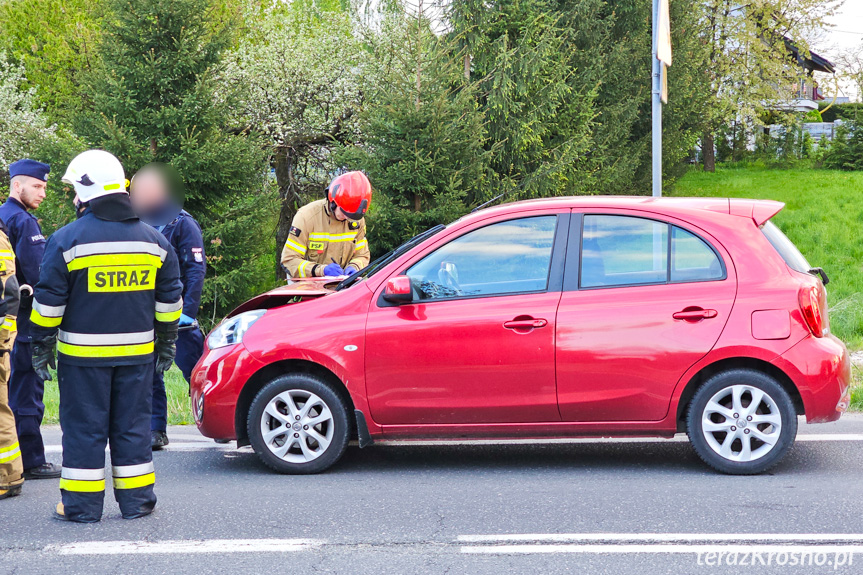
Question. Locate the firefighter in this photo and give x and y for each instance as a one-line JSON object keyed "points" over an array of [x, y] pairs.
{"points": [[328, 237], [11, 467], [109, 284], [26, 390], [157, 197]]}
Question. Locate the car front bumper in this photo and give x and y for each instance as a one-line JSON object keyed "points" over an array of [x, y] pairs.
{"points": [[217, 382]]}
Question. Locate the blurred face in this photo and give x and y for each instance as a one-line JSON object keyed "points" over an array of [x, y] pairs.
{"points": [[29, 191], [149, 190], [340, 215]]}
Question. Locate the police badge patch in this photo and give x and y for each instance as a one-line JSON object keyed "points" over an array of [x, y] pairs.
{"points": [[199, 254]]}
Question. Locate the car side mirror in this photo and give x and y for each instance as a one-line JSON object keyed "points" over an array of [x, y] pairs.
{"points": [[399, 290]]}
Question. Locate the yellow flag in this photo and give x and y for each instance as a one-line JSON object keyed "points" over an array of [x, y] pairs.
{"points": [[663, 47]]}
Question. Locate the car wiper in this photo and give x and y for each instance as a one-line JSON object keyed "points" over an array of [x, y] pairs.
{"points": [[388, 257]]}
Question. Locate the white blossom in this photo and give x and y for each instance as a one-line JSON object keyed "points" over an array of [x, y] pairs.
{"points": [[22, 123]]}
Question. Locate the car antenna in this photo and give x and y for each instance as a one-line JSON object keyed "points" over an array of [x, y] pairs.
{"points": [[493, 200]]}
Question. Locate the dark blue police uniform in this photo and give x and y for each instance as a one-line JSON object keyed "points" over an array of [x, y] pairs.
{"points": [[26, 390], [186, 238]]}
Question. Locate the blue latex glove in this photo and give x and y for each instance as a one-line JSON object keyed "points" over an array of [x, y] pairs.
{"points": [[350, 270], [186, 320], [333, 270]]}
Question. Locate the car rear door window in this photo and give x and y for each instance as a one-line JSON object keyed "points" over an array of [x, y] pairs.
{"points": [[626, 250], [502, 258], [623, 250], [692, 259]]}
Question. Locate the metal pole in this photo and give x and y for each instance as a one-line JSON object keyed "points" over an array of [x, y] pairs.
{"points": [[656, 105]]}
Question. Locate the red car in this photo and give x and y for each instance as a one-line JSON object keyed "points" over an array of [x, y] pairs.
{"points": [[591, 316]]}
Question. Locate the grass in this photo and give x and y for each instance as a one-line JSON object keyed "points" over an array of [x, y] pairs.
{"points": [[179, 409], [823, 216]]}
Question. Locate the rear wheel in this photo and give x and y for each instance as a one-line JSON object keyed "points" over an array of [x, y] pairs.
{"points": [[741, 422], [298, 424]]}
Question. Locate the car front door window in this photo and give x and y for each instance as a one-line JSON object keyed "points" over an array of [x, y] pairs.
{"points": [[507, 257]]}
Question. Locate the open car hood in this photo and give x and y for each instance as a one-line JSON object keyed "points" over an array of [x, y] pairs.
{"points": [[297, 291]]}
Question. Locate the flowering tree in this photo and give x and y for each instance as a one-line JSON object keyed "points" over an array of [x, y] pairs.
{"points": [[749, 62], [22, 123], [298, 76]]}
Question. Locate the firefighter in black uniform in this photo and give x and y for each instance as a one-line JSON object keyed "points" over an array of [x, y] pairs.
{"points": [[108, 287], [157, 196]]}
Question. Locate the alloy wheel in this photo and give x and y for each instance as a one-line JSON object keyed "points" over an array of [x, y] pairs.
{"points": [[741, 423], [297, 426]]}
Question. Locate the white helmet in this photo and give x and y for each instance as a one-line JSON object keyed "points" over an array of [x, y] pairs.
{"points": [[95, 173]]}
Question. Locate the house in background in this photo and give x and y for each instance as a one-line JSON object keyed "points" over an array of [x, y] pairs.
{"points": [[803, 95]]}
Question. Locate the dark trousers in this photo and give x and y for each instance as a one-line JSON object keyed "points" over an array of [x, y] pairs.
{"points": [[190, 348], [26, 392], [100, 405]]}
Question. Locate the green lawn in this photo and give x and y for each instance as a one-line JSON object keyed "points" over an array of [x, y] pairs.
{"points": [[823, 215], [179, 409]]}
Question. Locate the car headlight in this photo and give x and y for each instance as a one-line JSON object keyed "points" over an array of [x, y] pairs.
{"points": [[233, 329]]}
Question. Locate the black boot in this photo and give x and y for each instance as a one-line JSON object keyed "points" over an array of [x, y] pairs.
{"points": [[159, 439], [44, 471]]}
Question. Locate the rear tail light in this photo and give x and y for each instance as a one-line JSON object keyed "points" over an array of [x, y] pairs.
{"points": [[813, 304]]}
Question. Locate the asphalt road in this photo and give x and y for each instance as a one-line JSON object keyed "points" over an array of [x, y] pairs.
{"points": [[586, 507]]}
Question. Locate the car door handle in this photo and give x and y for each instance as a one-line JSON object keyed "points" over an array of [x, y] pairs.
{"points": [[695, 314], [529, 323]]}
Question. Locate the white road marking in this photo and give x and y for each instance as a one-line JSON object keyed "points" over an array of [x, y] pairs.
{"points": [[664, 537], [811, 550], [187, 446], [669, 543], [184, 547], [208, 445]]}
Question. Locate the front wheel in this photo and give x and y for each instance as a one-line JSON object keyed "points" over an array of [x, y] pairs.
{"points": [[298, 424], [741, 422]]}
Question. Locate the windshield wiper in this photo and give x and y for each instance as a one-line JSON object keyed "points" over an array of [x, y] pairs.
{"points": [[373, 267], [821, 273]]}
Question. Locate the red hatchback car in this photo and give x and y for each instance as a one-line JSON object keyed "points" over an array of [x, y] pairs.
{"points": [[590, 316]]}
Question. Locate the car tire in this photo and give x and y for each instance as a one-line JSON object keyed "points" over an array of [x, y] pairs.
{"points": [[316, 435], [732, 436]]}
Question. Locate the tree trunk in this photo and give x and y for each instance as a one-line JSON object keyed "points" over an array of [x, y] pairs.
{"points": [[289, 193], [708, 152]]}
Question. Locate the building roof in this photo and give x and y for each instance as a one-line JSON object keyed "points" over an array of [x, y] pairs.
{"points": [[813, 62]]}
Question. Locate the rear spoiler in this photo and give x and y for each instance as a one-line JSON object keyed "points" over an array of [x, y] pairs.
{"points": [[759, 210]]}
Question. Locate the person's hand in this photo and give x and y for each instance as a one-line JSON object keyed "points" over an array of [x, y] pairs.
{"points": [[166, 350], [333, 270], [43, 357], [350, 270], [186, 320]]}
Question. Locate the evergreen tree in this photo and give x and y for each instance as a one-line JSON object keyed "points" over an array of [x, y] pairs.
{"points": [[423, 133], [152, 97]]}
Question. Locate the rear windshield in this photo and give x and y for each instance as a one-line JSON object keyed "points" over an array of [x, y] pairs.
{"points": [[786, 248]]}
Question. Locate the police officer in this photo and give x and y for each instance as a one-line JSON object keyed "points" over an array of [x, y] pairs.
{"points": [[157, 197], [11, 468], [109, 284], [328, 237], [26, 390]]}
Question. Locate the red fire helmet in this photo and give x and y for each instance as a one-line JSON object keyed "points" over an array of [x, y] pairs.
{"points": [[352, 192]]}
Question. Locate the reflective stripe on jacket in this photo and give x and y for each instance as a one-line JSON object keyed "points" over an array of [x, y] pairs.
{"points": [[316, 238], [103, 288]]}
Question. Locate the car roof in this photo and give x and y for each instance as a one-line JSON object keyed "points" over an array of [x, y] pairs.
{"points": [[759, 210]]}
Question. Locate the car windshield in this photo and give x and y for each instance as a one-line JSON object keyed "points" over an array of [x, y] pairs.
{"points": [[375, 266]]}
